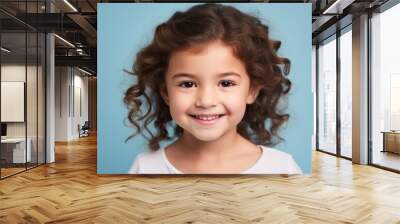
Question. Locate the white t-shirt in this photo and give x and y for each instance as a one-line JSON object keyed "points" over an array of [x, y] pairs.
{"points": [[272, 161]]}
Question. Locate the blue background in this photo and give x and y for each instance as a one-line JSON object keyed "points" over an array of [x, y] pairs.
{"points": [[123, 29]]}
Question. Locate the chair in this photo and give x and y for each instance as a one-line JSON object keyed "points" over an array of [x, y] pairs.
{"points": [[84, 130]]}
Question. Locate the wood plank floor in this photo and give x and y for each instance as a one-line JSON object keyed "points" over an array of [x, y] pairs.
{"points": [[10, 171], [70, 191]]}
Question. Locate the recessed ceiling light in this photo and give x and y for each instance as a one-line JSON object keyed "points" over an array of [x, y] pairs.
{"points": [[84, 71], [64, 40], [5, 50], [70, 5]]}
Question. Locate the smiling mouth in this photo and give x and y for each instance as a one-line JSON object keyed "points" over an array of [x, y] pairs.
{"points": [[208, 117]]}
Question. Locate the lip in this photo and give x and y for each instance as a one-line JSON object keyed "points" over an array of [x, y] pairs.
{"points": [[207, 122]]}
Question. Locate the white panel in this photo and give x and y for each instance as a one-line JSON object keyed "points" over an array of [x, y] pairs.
{"points": [[12, 101]]}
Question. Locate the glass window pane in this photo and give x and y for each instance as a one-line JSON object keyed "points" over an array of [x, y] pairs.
{"points": [[13, 86], [22, 87], [385, 87], [327, 96], [346, 94], [41, 98], [31, 100]]}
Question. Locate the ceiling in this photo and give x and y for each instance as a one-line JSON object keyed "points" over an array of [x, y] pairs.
{"points": [[76, 22]]}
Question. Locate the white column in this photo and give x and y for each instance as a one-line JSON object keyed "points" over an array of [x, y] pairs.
{"points": [[50, 100], [50, 92]]}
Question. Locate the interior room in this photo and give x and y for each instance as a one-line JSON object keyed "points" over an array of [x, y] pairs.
{"points": [[49, 127]]}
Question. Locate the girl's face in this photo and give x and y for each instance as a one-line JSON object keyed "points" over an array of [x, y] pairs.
{"points": [[207, 90]]}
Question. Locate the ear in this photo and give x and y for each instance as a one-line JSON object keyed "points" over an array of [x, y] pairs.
{"points": [[253, 93], [164, 93]]}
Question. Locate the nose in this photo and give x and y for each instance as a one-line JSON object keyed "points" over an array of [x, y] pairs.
{"points": [[206, 97]]}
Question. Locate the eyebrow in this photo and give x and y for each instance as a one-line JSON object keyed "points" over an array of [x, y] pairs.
{"points": [[180, 75]]}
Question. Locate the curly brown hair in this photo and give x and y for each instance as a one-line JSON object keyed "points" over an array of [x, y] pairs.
{"points": [[201, 24]]}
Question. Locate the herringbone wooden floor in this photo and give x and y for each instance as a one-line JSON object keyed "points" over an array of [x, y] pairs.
{"points": [[70, 191]]}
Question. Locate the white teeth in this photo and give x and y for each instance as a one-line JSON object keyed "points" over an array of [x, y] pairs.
{"points": [[207, 118]]}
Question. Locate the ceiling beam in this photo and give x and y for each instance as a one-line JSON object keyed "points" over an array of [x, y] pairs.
{"points": [[337, 6], [84, 61], [86, 26]]}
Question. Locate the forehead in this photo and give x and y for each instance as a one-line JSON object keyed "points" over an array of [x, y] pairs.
{"points": [[203, 60]]}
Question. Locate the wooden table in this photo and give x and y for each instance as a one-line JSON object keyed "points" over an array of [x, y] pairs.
{"points": [[391, 141]]}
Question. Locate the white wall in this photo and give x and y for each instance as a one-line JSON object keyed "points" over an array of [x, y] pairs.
{"points": [[12, 101], [71, 94], [62, 81], [80, 105]]}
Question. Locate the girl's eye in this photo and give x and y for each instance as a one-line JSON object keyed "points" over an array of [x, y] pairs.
{"points": [[227, 83], [186, 84], [190, 84]]}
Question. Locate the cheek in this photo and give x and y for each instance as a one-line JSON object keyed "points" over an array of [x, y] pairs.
{"points": [[236, 103], [179, 103]]}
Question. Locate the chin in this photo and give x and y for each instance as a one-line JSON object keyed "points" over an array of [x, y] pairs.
{"points": [[207, 136]]}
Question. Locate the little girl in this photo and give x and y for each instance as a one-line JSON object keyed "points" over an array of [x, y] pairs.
{"points": [[213, 75]]}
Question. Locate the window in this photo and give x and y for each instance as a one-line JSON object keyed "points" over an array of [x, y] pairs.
{"points": [[385, 89], [346, 92], [327, 96]]}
